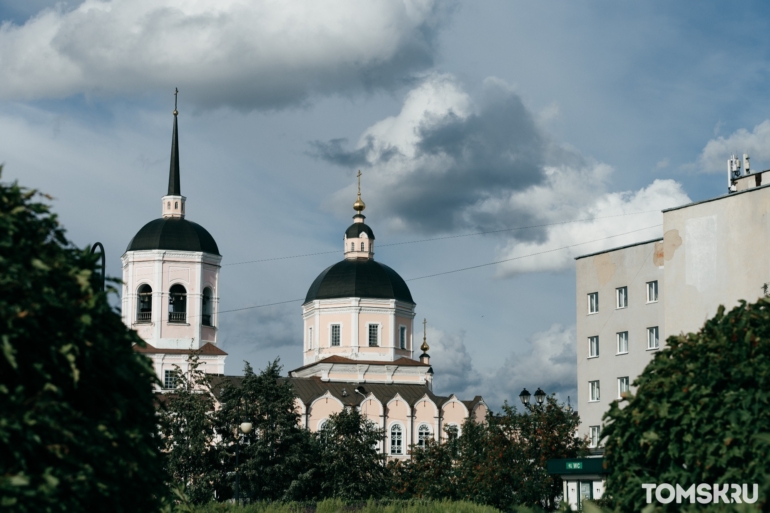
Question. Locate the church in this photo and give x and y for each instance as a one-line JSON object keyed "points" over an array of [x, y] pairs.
{"points": [[358, 319]]}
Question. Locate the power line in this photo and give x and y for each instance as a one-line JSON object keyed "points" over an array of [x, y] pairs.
{"points": [[465, 268], [531, 254], [448, 237]]}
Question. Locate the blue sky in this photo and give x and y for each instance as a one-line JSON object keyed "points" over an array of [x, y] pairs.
{"points": [[463, 116]]}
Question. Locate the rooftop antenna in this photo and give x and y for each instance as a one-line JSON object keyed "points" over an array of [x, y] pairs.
{"points": [[733, 172]]}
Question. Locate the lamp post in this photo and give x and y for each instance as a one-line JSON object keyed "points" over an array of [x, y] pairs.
{"points": [[245, 429], [539, 398]]}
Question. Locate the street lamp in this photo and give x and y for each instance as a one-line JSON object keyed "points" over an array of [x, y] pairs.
{"points": [[245, 428], [524, 396], [539, 396]]}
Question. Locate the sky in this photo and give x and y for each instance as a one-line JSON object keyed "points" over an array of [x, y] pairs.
{"points": [[557, 129]]}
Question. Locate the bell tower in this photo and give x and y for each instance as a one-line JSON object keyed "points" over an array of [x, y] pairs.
{"points": [[171, 281]]}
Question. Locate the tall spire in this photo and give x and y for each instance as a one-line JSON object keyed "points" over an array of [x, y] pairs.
{"points": [[174, 186]]}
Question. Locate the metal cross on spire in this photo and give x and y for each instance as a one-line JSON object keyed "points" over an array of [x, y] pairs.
{"points": [[359, 182], [424, 347], [176, 92]]}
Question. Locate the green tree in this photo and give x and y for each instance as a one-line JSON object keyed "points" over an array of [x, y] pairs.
{"points": [[276, 460], [501, 462], [699, 414], [187, 425], [351, 466], [78, 430]]}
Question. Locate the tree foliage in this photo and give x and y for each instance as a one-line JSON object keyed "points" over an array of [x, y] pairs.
{"points": [[277, 457], [501, 462], [699, 413], [351, 466], [78, 430], [187, 425]]}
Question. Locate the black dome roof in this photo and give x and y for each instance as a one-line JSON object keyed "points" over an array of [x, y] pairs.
{"points": [[359, 278], [173, 233], [356, 229]]}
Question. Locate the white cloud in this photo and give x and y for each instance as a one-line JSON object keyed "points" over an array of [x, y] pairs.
{"points": [[571, 194], [548, 363], [713, 158], [248, 54]]}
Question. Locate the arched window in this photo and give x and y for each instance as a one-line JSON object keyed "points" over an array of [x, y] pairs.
{"points": [[208, 307], [144, 304], [352, 246], [396, 440], [176, 205], [177, 304], [362, 246], [168, 205], [423, 435]]}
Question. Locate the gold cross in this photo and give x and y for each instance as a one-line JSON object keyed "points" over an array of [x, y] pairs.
{"points": [[424, 327], [359, 182]]}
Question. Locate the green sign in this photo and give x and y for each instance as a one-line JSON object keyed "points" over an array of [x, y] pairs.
{"points": [[574, 465]]}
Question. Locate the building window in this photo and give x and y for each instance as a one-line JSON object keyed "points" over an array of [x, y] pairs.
{"points": [[652, 291], [593, 436], [652, 338], [352, 246], [402, 337], [423, 435], [622, 296], [622, 342], [335, 335], [623, 386], [593, 347], [362, 246], [208, 307], [396, 440], [374, 335], [593, 391], [144, 304], [593, 302], [169, 379], [177, 304], [452, 431], [310, 338]]}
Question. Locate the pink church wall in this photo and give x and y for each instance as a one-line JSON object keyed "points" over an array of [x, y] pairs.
{"points": [[321, 409]]}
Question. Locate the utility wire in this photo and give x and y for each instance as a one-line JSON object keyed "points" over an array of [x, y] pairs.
{"points": [[447, 237], [464, 268], [531, 254]]}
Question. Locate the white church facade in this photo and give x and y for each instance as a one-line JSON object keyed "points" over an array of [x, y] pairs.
{"points": [[358, 324]]}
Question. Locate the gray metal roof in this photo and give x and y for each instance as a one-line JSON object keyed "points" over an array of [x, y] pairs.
{"points": [[359, 278], [173, 233]]}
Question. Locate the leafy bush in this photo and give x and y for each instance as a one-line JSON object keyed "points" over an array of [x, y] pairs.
{"points": [[699, 413], [78, 430]]}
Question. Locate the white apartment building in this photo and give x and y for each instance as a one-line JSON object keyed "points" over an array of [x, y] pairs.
{"points": [[630, 299]]}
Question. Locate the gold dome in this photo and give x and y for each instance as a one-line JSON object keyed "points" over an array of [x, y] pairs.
{"points": [[359, 205]]}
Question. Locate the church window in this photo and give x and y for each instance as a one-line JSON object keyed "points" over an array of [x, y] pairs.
{"points": [[362, 246], [374, 335], [452, 431], [402, 337], [208, 307], [144, 304], [396, 440], [352, 246], [168, 204], [310, 338], [423, 435], [169, 379], [335, 335], [177, 304], [176, 205]]}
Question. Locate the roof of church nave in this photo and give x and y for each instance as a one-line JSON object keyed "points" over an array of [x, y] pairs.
{"points": [[310, 389], [174, 233]]}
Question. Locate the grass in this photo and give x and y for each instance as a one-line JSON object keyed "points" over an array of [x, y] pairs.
{"points": [[338, 506]]}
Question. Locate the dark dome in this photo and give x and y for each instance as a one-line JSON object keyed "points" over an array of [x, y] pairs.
{"points": [[356, 229], [359, 278], [173, 233]]}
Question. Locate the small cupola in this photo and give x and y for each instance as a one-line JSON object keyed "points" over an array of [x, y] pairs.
{"points": [[173, 202], [425, 357], [359, 238]]}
